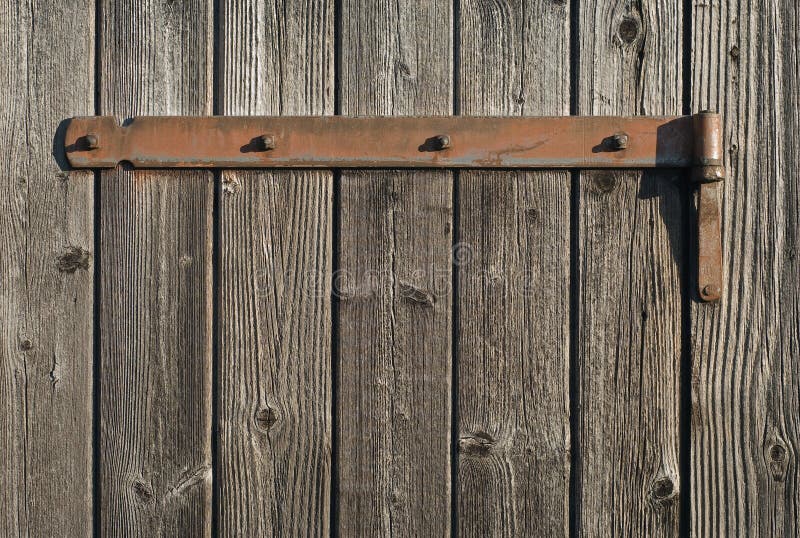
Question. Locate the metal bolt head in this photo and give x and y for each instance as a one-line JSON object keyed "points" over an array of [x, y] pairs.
{"points": [[442, 142], [92, 142], [267, 142], [619, 141], [710, 291]]}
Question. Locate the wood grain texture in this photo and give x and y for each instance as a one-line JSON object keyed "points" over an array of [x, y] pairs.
{"points": [[513, 272], [46, 281], [275, 287], [630, 260], [745, 424], [155, 279], [394, 371]]}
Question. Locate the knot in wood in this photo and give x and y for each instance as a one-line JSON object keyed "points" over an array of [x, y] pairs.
{"points": [[663, 490], [778, 461], [628, 30], [266, 418], [142, 491], [73, 259], [478, 445], [777, 453], [605, 182]]}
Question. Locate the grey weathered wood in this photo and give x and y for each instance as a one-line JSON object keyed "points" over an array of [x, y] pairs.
{"points": [[394, 371], [630, 259], [513, 284], [275, 304], [745, 424], [155, 278], [46, 280]]}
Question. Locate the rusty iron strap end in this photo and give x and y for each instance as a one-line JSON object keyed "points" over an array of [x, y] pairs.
{"points": [[381, 142], [707, 173]]}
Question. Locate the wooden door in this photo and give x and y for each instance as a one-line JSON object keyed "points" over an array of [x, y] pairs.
{"points": [[386, 352]]}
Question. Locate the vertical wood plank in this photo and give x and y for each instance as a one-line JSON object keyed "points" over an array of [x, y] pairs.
{"points": [[46, 281], [745, 374], [513, 275], [275, 298], [630, 250], [395, 300], [155, 278]]}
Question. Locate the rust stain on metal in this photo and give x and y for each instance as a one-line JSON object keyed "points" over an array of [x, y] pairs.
{"points": [[707, 173], [709, 243], [380, 142]]}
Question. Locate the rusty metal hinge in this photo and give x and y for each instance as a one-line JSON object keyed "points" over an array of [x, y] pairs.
{"points": [[423, 142]]}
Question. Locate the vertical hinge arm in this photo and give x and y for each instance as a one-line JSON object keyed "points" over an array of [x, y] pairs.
{"points": [[707, 173]]}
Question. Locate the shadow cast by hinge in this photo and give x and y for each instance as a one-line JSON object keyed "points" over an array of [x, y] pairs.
{"points": [[668, 186], [59, 150], [675, 143], [256, 145], [607, 145]]}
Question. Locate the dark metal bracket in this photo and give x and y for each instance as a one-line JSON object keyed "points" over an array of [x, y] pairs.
{"points": [[423, 142]]}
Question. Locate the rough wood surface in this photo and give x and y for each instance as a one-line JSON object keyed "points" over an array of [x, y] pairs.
{"points": [[630, 259], [275, 297], [394, 372], [745, 425], [512, 257], [46, 233], [155, 282]]}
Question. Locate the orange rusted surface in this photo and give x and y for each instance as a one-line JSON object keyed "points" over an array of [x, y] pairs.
{"points": [[708, 171], [434, 141], [709, 243], [381, 142], [708, 139]]}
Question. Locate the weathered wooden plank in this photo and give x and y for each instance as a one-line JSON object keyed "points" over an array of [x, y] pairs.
{"points": [[275, 304], [512, 256], [630, 259], [46, 281], [394, 401], [745, 424], [155, 278]]}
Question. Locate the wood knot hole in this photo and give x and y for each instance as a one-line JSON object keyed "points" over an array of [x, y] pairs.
{"points": [[777, 457], [605, 182], [142, 491], [777, 453], [266, 418], [74, 258], [25, 345], [663, 489], [416, 295], [628, 30]]}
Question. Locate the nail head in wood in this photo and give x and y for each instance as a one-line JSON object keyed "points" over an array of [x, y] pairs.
{"points": [[619, 141], [267, 142]]}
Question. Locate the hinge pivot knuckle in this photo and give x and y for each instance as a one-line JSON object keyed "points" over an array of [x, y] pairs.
{"points": [[707, 167]]}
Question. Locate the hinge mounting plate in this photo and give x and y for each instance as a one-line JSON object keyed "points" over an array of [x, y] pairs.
{"points": [[423, 142]]}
